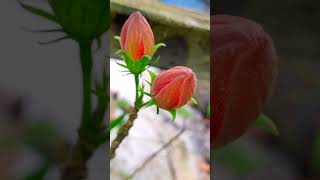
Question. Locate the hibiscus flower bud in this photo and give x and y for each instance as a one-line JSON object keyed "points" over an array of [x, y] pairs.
{"points": [[82, 19], [137, 37], [243, 67], [174, 87]]}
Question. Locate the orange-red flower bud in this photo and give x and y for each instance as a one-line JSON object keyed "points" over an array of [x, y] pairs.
{"points": [[174, 87], [137, 37], [243, 67]]}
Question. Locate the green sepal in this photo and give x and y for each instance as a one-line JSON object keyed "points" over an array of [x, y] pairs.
{"points": [[152, 76], [119, 52], [149, 83], [157, 46], [193, 101], [139, 103], [122, 65], [39, 12], [136, 67], [118, 38], [173, 113], [145, 93], [54, 40], [149, 103], [267, 124]]}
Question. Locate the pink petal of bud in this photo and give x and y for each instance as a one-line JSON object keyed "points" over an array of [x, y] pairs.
{"points": [[243, 66], [174, 87], [137, 37]]}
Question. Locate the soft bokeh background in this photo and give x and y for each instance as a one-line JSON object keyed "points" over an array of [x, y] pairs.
{"points": [[294, 155], [184, 27], [40, 97]]}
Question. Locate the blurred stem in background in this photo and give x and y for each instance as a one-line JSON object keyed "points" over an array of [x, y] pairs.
{"points": [[84, 22]]}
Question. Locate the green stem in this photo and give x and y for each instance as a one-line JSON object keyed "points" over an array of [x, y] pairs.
{"points": [[136, 79], [124, 129], [86, 67], [75, 168]]}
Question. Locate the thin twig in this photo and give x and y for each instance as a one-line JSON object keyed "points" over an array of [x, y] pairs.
{"points": [[123, 133], [153, 155]]}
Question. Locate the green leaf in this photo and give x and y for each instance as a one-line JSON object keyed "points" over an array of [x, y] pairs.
{"points": [[267, 124], [152, 75], [39, 12], [117, 121]]}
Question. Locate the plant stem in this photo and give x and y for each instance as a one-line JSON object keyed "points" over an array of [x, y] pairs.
{"points": [[86, 67], [75, 167], [124, 129], [123, 133], [136, 80]]}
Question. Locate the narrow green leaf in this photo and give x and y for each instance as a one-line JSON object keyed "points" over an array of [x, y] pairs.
{"points": [[39, 12], [117, 121], [267, 124]]}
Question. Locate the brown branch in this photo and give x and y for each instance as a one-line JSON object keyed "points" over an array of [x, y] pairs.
{"points": [[75, 168], [123, 133], [153, 155]]}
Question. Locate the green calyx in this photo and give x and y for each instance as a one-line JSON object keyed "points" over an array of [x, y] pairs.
{"points": [[81, 20]]}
